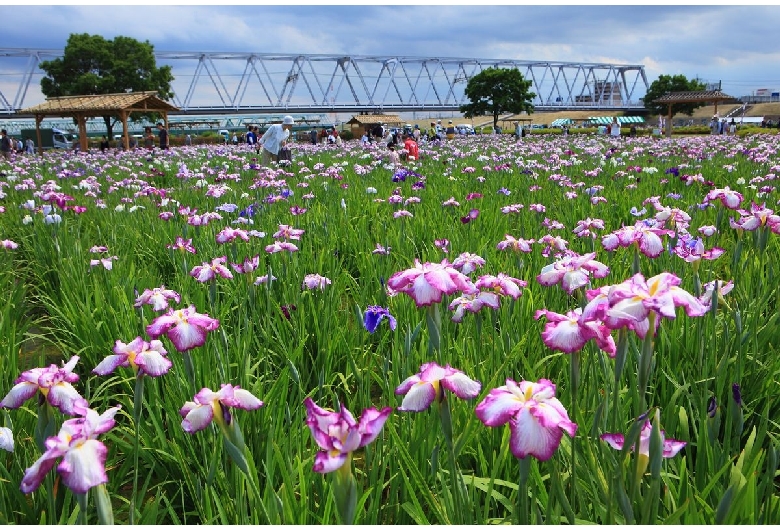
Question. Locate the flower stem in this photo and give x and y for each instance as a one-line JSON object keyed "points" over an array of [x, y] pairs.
{"points": [[575, 386], [620, 362], [138, 400], [189, 370], [103, 503], [523, 516], [434, 331], [645, 363], [345, 492], [83, 503]]}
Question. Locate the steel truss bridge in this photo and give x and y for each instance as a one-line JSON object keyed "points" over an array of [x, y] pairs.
{"points": [[210, 83]]}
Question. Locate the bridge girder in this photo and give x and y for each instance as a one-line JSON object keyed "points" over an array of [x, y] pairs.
{"points": [[222, 83]]}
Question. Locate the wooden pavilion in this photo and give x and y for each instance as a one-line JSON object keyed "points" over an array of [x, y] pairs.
{"points": [[361, 122], [693, 96], [82, 108]]}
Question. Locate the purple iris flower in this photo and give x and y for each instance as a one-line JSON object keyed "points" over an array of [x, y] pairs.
{"points": [[736, 393], [473, 214], [374, 315], [249, 211]]}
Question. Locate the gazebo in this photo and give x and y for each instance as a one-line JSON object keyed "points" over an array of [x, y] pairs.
{"points": [[694, 96], [83, 107], [359, 122]]}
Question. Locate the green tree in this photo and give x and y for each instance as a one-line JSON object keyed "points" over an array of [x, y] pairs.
{"points": [[495, 91], [92, 65], [666, 84]]}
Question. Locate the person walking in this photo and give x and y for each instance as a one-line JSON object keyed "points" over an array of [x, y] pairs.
{"points": [[274, 138]]}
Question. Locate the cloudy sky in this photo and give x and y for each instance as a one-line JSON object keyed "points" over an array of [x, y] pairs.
{"points": [[732, 44]]}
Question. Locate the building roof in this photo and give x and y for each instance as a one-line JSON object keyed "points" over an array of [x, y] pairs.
{"points": [[693, 96], [606, 120], [96, 105], [373, 119]]}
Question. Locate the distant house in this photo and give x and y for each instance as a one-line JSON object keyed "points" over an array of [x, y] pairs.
{"points": [[359, 123]]}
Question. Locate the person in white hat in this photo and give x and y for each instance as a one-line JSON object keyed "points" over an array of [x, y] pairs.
{"points": [[274, 139]]}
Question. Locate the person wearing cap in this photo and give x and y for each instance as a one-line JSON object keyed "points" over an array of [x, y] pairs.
{"points": [[450, 130], [274, 138]]}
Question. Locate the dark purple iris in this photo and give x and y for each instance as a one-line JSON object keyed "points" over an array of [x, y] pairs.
{"points": [[374, 315]]}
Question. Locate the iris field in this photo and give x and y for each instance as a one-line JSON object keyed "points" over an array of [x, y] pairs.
{"points": [[558, 330]]}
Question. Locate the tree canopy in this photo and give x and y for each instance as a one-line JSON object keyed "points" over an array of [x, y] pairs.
{"points": [[495, 91], [666, 84], [93, 65]]}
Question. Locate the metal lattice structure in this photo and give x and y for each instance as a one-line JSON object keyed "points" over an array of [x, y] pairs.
{"points": [[222, 83]]}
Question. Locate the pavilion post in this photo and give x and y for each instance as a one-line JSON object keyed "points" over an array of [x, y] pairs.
{"points": [[83, 140], [38, 120], [669, 122], [125, 135]]}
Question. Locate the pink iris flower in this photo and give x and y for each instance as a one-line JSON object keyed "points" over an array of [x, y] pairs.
{"points": [[646, 237], [55, 385], [209, 271], [157, 298], [8, 244], [144, 357], [427, 282], [288, 232], [537, 420], [422, 389], [587, 227], [83, 456], [108, 263], [757, 217], [185, 328], [208, 406], [473, 303], [631, 302], [569, 333], [673, 217], [501, 284], [229, 234], [381, 250], [280, 246], [708, 289], [572, 272], [338, 433], [729, 198], [315, 281], [249, 265], [468, 263], [184, 245], [692, 250], [671, 447], [518, 245]]}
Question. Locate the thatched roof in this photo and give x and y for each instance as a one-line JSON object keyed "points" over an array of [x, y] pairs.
{"points": [[374, 119], [694, 96], [100, 104]]}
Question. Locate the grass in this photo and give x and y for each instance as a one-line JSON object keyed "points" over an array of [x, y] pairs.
{"points": [[57, 303]]}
